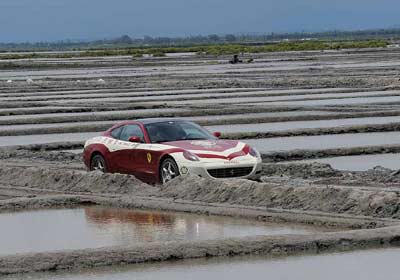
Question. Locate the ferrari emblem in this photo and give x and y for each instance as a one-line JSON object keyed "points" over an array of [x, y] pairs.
{"points": [[148, 157]]}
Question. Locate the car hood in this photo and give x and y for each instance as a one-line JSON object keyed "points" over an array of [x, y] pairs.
{"points": [[218, 146]]}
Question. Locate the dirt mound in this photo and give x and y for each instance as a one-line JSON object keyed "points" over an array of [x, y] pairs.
{"points": [[305, 197], [56, 156], [305, 170], [341, 200], [74, 181]]}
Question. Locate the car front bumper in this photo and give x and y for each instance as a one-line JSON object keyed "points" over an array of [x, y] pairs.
{"points": [[225, 170]]}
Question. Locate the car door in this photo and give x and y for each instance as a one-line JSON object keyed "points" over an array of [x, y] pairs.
{"points": [[128, 158], [116, 151]]}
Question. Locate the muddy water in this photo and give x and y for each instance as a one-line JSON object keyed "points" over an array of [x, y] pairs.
{"points": [[213, 98], [93, 227], [360, 163], [45, 138], [169, 110], [129, 96], [282, 126], [102, 113], [19, 127], [325, 141], [204, 96], [330, 102], [38, 108], [371, 264], [144, 91]]}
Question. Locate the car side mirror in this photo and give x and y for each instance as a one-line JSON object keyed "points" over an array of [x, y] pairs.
{"points": [[217, 134], [135, 139]]}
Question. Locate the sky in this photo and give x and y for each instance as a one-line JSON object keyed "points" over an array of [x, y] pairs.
{"points": [[52, 20]]}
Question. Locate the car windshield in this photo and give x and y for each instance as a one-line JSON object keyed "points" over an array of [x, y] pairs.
{"points": [[176, 131]]}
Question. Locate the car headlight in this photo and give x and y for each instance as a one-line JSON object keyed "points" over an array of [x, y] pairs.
{"points": [[254, 153], [190, 156]]}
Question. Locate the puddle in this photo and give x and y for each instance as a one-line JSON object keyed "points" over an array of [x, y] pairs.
{"points": [[130, 96], [93, 227], [263, 115], [368, 264], [138, 91], [102, 113], [212, 100], [325, 141], [206, 96], [44, 126], [38, 108], [282, 126], [45, 138], [360, 163], [330, 102]]}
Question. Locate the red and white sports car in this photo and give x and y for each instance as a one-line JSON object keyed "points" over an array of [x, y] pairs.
{"points": [[158, 150]]}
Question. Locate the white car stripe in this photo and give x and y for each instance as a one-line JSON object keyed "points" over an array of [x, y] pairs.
{"points": [[114, 145]]}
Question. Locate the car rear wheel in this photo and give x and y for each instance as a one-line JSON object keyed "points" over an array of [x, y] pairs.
{"points": [[98, 163], [168, 170]]}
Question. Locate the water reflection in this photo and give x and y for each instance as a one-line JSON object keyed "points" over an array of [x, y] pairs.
{"points": [[158, 226]]}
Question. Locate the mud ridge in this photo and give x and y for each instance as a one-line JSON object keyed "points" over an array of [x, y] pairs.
{"points": [[313, 154], [324, 198]]}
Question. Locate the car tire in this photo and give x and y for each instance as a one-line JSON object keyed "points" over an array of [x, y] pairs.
{"points": [[168, 170], [98, 163]]}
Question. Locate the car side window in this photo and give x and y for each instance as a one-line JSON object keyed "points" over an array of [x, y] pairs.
{"points": [[115, 133], [131, 130]]}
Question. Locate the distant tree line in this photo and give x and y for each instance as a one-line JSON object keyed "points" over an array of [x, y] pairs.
{"points": [[126, 41]]}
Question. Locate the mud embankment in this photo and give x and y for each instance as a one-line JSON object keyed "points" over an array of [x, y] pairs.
{"points": [[324, 198], [44, 152], [313, 154], [378, 203], [68, 181]]}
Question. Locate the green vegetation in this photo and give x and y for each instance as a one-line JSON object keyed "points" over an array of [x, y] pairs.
{"points": [[214, 49], [292, 46]]}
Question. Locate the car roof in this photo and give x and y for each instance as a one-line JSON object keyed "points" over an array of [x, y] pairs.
{"points": [[158, 120]]}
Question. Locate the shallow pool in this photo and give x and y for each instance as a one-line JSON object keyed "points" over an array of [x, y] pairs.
{"points": [[369, 264], [321, 142], [93, 227], [282, 126], [359, 163]]}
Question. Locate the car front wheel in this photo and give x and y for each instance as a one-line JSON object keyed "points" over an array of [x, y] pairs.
{"points": [[168, 170], [98, 163]]}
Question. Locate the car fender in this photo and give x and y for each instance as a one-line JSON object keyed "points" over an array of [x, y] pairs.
{"points": [[91, 149], [176, 154]]}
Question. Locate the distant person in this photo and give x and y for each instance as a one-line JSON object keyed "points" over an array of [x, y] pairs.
{"points": [[235, 59]]}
